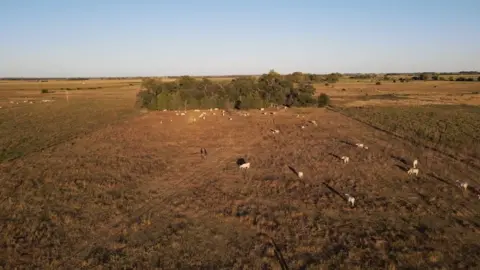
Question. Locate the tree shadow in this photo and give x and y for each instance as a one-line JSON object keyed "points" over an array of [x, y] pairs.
{"points": [[401, 159], [334, 191], [293, 170], [424, 198], [237, 105], [307, 259], [422, 228], [270, 178], [403, 168], [441, 179], [333, 155], [347, 142]]}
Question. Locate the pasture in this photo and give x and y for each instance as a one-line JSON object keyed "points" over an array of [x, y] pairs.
{"points": [[90, 182]]}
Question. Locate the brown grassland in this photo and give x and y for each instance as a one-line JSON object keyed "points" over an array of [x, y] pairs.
{"points": [[89, 182]]}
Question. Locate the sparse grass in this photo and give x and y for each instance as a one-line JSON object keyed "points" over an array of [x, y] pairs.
{"points": [[366, 93], [31, 127], [453, 127], [383, 97]]}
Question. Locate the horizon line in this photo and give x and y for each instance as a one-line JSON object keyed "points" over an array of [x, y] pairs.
{"points": [[463, 72]]}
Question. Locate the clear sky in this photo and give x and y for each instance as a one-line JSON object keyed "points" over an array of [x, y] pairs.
{"points": [[155, 37]]}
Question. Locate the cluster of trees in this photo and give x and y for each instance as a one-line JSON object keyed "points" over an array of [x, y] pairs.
{"points": [[367, 76], [437, 77], [299, 77], [240, 93]]}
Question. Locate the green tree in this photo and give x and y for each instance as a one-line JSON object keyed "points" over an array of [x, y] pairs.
{"points": [[163, 100], [323, 100], [242, 87], [252, 101], [187, 82], [306, 88], [208, 102], [194, 103], [425, 76], [333, 77], [273, 88], [296, 77], [205, 86], [175, 101], [148, 83]]}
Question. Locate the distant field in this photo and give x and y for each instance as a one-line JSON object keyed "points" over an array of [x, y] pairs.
{"points": [[354, 94], [90, 182], [452, 128], [27, 124], [15, 89]]}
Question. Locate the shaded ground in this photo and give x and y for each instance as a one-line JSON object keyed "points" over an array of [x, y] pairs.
{"points": [[138, 195]]}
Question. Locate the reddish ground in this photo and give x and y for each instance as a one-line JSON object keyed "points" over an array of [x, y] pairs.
{"points": [[138, 195]]}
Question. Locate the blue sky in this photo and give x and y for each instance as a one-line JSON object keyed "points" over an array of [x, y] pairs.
{"points": [[143, 38]]}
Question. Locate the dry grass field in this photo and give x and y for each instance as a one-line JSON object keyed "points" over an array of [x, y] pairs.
{"points": [[28, 123], [357, 94], [89, 182]]}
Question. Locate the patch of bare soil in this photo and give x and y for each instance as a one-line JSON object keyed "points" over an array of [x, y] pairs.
{"points": [[139, 195]]}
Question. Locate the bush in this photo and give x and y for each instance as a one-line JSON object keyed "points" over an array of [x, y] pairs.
{"points": [[44, 91], [378, 83], [333, 77], [323, 100], [425, 76]]}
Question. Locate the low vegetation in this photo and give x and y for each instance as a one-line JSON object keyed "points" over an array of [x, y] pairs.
{"points": [[28, 125], [323, 100], [452, 128]]}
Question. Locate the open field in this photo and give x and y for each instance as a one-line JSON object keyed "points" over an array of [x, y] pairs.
{"points": [[90, 183], [27, 124], [357, 94]]}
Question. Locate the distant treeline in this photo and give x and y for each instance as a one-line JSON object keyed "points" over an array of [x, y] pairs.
{"points": [[312, 76], [267, 90], [69, 79], [439, 73]]}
